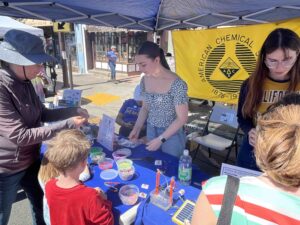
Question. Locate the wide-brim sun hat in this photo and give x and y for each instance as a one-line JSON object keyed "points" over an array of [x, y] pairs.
{"points": [[24, 49]]}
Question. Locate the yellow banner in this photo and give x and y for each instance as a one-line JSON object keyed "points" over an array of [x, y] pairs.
{"points": [[215, 62]]}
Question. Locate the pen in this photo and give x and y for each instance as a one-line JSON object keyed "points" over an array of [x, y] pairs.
{"points": [[109, 183], [157, 181]]}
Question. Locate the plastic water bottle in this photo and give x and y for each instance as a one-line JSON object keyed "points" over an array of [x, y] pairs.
{"points": [[185, 168]]}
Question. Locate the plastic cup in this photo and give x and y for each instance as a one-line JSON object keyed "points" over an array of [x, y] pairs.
{"points": [[97, 157], [129, 194], [121, 153], [95, 150], [124, 164], [107, 163], [125, 168], [126, 174]]}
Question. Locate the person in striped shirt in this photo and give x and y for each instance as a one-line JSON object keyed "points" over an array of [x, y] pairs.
{"points": [[274, 197]]}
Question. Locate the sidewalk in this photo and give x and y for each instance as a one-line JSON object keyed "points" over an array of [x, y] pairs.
{"points": [[99, 94]]}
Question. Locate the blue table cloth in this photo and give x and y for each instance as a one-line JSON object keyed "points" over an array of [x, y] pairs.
{"points": [[146, 174]]}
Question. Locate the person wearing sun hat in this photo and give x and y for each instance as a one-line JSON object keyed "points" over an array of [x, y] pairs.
{"points": [[21, 121]]}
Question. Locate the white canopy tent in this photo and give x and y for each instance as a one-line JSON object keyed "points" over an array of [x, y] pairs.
{"points": [[7, 23]]}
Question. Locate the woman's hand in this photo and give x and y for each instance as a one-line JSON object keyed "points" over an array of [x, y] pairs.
{"points": [[134, 135], [252, 137], [154, 144], [79, 121], [83, 112]]}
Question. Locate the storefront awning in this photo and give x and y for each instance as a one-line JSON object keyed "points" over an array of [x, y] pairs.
{"points": [[37, 23]]}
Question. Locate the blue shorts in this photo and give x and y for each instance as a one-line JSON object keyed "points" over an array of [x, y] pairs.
{"points": [[174, 145]]}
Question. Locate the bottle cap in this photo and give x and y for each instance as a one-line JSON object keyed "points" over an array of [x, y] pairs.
{"points": [[185, 152]]}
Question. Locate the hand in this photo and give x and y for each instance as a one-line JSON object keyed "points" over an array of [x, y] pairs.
{"points": [[79, 121], [134, 135], [252, 137], [154, 144], [83, 112], [101, 192]]}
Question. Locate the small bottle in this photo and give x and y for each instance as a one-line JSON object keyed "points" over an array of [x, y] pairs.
{"points": [[185, 168]]}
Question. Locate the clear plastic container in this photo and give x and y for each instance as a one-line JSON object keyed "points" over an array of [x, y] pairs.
{"points": [[126, 174], [125, 168], [121, 153], [97, 157], [161, 199], [124, 164], [129, 194], [107, 163], [95, 150]]}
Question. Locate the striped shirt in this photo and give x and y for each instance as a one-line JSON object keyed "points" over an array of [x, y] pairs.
{"points": [[256, 203]]}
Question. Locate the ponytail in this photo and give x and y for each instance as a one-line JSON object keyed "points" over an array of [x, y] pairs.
{"points": [[163, 60], [152, 51]]}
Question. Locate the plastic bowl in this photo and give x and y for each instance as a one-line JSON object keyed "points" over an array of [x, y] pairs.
{"points": [[97, 157], [121, 153], [95, 150], [124, 164], [107, 163], [126, 174], [129, 194]]}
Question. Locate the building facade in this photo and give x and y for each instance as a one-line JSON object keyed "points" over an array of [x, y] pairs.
{"points": [[126, 42]]}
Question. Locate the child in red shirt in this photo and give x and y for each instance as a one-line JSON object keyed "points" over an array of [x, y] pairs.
{"points": [[69, 200]]}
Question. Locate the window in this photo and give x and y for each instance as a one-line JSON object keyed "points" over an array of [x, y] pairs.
{"points": [[127, 44]]}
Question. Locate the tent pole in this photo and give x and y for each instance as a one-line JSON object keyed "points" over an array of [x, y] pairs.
{"points": [[62, 46]]}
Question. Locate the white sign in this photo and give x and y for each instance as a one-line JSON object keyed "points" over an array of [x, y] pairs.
{"points": [[106, 132], [237, 171]]}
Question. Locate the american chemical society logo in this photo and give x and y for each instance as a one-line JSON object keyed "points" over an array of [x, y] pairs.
{"points": [[225, 63]]}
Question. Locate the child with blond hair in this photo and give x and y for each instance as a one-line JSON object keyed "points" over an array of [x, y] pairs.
{"points": [[47, 172], [69, 200]]}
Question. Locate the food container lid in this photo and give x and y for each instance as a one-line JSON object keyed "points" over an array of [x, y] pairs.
{"points": [[109, 174]]}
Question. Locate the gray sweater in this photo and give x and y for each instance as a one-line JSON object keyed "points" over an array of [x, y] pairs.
{"points": [[21, 118]]}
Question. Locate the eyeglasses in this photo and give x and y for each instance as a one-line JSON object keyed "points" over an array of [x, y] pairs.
{"points": [[287, 63]]}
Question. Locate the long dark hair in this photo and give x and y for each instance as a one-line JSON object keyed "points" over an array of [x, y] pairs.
{"points": [[279, 38], [152, 50]]}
